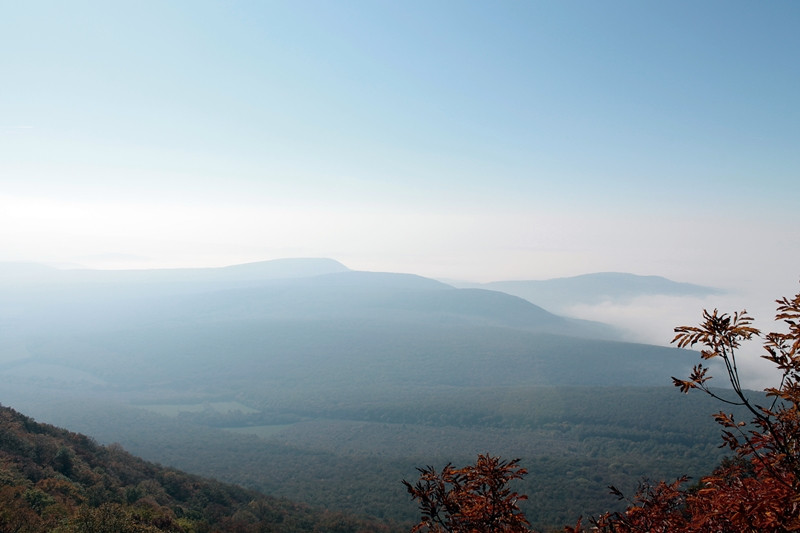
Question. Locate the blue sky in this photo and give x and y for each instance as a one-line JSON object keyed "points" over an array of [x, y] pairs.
{"points": [[471, 140]]}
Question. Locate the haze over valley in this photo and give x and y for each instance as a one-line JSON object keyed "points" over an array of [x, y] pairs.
{"points": [[305, 248]]}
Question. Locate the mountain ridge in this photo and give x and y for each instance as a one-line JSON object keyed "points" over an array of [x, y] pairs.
{"points": [[557, 295], [319, 289]]}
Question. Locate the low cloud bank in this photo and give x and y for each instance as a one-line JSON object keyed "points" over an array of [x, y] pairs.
{"points": [[652, 319]]}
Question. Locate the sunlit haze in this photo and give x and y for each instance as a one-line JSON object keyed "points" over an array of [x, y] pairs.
{"points": [[458, 140], [309, 247]]}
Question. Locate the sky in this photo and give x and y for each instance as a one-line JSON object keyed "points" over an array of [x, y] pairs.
{"points": [[452, 139]]}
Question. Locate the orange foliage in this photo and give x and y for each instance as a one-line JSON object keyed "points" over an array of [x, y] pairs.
{"points": [[473, 499], [759, 489]]}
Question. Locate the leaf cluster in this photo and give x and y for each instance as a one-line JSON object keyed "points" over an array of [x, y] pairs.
{"points": [[472, 499]]}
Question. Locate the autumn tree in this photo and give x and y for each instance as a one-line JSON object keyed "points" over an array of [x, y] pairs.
{"points": [[472, 499], [758, 489]]}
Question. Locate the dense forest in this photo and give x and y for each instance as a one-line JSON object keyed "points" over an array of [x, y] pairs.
{"points": [[55, 480], [348, 456]]}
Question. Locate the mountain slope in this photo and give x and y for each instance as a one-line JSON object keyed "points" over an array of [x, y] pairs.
{"points": [[55, 480], [113, 301], [341, 329]]}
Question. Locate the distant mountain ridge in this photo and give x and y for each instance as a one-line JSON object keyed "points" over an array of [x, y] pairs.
{"points": [[559, 294], [287, 288], [309, 319]]}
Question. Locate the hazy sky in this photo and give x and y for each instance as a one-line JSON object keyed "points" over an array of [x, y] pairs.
{"points": [[455, 139]]}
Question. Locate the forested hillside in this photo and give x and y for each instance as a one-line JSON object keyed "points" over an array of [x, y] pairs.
{"points": [[53, 480]]}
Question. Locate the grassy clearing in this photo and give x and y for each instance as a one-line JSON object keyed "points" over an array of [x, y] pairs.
{"points": [[173, 409], [264, 432]]}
